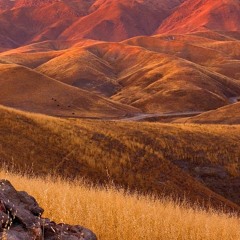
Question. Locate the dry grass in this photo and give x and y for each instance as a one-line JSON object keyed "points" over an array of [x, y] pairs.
{"points": [[113, 214], [47, 96], [226, 115], [140, 156]]}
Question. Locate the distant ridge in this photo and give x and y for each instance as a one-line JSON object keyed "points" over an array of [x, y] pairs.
{"points": [[195, 15]]}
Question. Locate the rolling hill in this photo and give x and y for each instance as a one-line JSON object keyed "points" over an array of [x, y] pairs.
{"points": [[196, 15], [163, 73], [118, 20], [199, 162], [28, 90], [27, 21], [225, 115]]}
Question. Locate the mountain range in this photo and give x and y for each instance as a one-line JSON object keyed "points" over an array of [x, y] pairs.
{"points": [[27, 21], [139, 55]]}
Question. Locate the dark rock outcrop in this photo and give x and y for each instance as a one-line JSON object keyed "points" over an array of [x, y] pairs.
{"points": [[20, 219]]}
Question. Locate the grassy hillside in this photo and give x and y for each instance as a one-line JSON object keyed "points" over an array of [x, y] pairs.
{"points": [[113, 214], [28, 90], [149, 77], [162, 73], [226, 115], [200, 162], [203, 15]]}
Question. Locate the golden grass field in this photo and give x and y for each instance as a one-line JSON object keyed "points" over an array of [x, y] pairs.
{"points": [[115, 215]]}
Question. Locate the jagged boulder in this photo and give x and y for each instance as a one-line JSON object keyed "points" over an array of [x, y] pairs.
{"points": [[20, 219]]}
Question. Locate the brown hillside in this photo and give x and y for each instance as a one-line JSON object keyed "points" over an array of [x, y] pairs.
{"points": [[28, 90], [164, 159], [225, 115], [124, 213], [151, 81], [27, 21], [24, 21], [194, 15], [164, 73], [118, 20], [218, 52]]}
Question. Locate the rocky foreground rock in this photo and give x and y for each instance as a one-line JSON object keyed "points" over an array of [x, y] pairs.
{"points": [[20, 219]]}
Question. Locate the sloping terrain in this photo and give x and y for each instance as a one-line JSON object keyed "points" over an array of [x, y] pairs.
{"points": [[225, 115], [176, 160], [117, 20], [94, 68], [195, 15], [217, 51], [124, 214], [150, 74], [28, 90], [27, 24], [164, 73], [25, 21]]}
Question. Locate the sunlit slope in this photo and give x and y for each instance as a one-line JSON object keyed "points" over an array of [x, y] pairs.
{"points": [[38, 20], [164, 73], [27, 59], [225, 115], [28, 21], [178, 160], [195, 15], [35, 54], [28, 90], [143, 78], [118, 20], [83, 69], [217, 51]]}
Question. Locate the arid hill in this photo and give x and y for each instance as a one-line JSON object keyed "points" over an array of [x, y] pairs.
{"points": [[25, 89], [123, 214], [79, 79], [117, 20], [27, 21], [225, 115], [199, 162], [163, 73], [168, 72], [195, 15]]}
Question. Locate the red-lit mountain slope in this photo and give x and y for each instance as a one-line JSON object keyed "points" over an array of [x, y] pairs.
{"points": [[195, 15]]}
